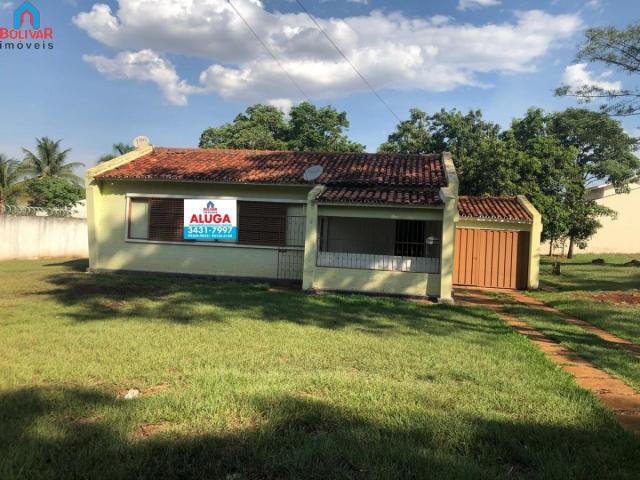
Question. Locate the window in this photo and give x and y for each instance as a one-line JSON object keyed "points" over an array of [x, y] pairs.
{"points": [[166, 219], [380, 244], [259, 223], [262, 223], [139, 218]]}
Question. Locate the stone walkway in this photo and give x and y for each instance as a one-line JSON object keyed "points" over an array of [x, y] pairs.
{"points": [[622, 343], [613, 393]]}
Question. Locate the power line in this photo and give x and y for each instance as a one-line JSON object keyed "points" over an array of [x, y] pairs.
{"points": [[366, 82], [268, 50]]}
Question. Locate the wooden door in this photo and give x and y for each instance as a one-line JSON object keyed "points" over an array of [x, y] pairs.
{"points": [[491, 258]]}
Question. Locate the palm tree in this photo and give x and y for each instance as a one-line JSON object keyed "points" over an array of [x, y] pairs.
{"points": [[118, 150], [10, 185], [50, 161]]}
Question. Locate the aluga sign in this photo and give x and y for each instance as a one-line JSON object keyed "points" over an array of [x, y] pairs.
{"points": [[210, 220]]}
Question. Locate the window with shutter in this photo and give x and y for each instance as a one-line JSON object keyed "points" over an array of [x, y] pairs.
{"points": [[166, 219], [262, 223]]}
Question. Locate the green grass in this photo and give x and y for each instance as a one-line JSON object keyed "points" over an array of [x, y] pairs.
{"points": [[574, 292], [264, 384], [603, 355]]}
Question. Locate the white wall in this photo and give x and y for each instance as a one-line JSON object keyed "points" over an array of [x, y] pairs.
{"points": [[622, 234], [619, 235], [48, 237]]}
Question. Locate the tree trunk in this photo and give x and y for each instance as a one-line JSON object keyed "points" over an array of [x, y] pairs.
{"points": [[570, 253], [550, 247]]}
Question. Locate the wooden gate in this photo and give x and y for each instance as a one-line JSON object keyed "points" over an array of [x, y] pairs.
{"points": [[491, 258]]}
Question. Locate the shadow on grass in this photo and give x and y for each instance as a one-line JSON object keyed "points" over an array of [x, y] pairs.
{"points": [[103, 297], [76, 433], [77, 265], [577, 277], [618, 318]]}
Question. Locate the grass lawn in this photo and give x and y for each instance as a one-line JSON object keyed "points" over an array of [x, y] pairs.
{"points": [[242, 381], [590, 292], [594, 292]]}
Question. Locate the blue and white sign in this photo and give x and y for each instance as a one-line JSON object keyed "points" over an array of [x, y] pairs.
{"points": [[210, 220]]}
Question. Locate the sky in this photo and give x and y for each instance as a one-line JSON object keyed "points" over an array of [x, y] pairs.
{"points": [[168, 69]]}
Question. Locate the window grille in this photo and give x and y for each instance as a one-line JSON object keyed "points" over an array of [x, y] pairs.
{"points": [[380, 244]]}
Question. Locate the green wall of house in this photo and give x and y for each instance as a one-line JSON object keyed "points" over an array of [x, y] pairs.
{"points": [[111, 250]]}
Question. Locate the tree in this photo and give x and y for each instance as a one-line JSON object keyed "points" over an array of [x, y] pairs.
{"points": [[620, 50], [526, 159], [118, 149], [263, 127], [604, 152], [461, 134], [546, 173], [10, 185], [410, 136], [312, 129], [53, 193], [260, 127], [50, 161]]}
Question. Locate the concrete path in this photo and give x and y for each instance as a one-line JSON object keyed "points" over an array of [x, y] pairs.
{"points": [[613, 393]]}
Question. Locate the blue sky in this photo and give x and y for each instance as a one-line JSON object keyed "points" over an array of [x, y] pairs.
{"points": [[170, 68]]}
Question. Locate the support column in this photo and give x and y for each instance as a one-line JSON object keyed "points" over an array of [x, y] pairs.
{"points": [[311, 238], [534, 243], [449, 196]]}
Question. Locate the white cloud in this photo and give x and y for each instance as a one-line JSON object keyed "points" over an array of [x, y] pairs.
{"points": [[6, 5], [577, 76], [467, 4], [391, 50], [146, 65], [283, 104]]}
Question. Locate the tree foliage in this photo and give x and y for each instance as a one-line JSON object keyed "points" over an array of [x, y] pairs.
{"points": [[117, 150], [10, 184], [620, 50], [550, 158], [49, 160], [264, 127], [53, 192]]}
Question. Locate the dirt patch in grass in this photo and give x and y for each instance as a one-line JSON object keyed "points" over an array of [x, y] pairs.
{"points": [[632, 298], [150, 429], [154, 389], [144, 391]]}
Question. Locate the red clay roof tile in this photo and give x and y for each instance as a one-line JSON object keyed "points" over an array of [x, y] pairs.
{"points": [[251, 166], [393, 196], [493, 208], [351, 177]]}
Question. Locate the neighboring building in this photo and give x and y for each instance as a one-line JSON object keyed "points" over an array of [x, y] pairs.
{"points": [[383, 223], [620, 234]]}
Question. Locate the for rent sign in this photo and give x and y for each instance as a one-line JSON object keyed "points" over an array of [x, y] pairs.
{"points": [[210, 220]]}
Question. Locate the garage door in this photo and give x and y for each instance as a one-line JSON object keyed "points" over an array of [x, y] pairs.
{"points": [[491, 258]]}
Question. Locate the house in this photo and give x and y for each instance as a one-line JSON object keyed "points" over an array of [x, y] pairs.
{"points": [[383, 223], [622, 233]]}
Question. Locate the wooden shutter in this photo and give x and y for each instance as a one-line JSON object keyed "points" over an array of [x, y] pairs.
{"points": [[166, 219], [262, 223]]}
